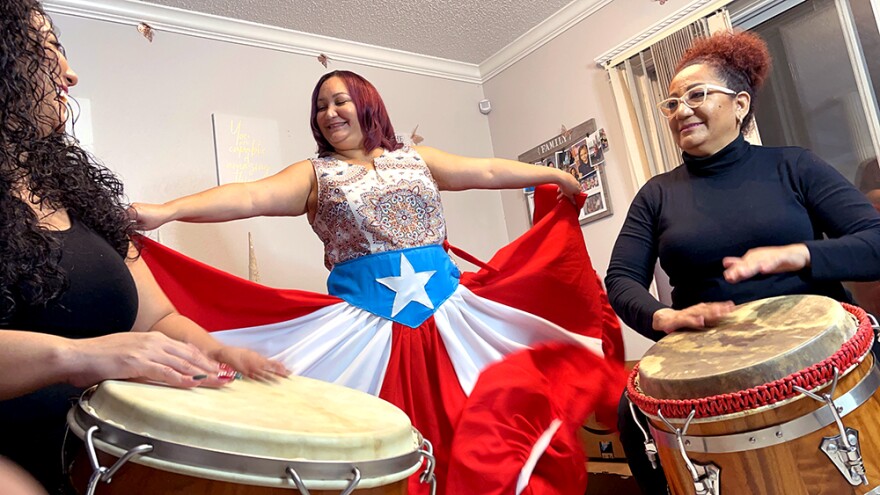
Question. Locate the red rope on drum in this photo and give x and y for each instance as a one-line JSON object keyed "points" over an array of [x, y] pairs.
{"points": [[762, 395]]}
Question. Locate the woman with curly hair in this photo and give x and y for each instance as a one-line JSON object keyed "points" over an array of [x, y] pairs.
{"points": [[735, 222], [77, 305]]}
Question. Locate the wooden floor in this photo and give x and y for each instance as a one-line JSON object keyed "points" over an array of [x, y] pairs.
{"points": [[610, 478]]}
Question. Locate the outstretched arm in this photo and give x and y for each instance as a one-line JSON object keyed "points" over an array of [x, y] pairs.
{"points": [[458, 173], [283, 194]]}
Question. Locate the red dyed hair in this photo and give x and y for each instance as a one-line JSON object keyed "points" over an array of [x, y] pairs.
{"points": [[741, 60], [372, 116]]}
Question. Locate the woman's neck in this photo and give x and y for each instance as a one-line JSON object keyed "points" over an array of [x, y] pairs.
{"points": [[359, 155]]}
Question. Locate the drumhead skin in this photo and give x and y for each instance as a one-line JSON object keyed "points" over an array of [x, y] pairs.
{"points": [[759, 342], [290, 418]]}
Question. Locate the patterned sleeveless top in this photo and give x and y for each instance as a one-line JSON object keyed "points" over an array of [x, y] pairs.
{"points": [[361, 211]]}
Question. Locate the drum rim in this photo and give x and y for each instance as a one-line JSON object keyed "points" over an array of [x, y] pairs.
{"points": [[780, 433], [849, 355], [330, 474]]}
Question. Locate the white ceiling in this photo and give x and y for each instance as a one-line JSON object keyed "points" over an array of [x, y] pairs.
{"points": [[467, 31]]}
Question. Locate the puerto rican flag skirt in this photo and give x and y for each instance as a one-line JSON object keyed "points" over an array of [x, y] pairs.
{"points": [[497, 368]]}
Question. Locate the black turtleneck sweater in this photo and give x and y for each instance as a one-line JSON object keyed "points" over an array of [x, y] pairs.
{"points": [[740, 198]]}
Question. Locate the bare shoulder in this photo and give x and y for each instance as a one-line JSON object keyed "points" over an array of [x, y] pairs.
{"points": [[428, 153], [298, 171], [298, 166]]}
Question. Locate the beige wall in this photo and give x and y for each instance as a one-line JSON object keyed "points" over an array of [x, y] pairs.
{"points": [[559, 84], [151, 111]]}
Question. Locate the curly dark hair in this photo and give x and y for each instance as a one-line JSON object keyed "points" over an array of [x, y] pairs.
{"points": [[51, 171], [740, 58]]}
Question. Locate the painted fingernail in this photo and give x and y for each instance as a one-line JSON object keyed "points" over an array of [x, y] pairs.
{"points": [[200, 377]]}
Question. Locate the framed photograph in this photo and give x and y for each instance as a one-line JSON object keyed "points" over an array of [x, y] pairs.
{"points": [[595, 203], [603, 139], [597, 153], [581, 153], [590, 182]]}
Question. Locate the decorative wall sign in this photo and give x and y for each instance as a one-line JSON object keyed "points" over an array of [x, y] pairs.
{"points": [[246, 149]]}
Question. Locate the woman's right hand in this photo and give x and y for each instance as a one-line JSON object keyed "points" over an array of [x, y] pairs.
{"points": [[141, 356], [700, 316], [148, 216]]}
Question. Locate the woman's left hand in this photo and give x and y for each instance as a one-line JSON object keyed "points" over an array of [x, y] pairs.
{"points": [[250, 363], [569, 187], [766, 260]]}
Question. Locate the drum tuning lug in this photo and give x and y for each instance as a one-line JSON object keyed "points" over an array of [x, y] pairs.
{"points": [[101, 473], [651, 452], [706, 477], [650, 446], [709, 482], [294, 476], [842, 449], [355, 481], [427, 451], [845, 453], [301, 486]]}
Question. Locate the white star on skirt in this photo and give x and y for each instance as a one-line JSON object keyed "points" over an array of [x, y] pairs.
{"points": [[409, 286]]}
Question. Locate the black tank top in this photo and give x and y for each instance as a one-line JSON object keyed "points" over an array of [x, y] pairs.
{"points": [[101, 298]]}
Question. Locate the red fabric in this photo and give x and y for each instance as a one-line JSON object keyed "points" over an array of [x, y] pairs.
{"points": [[513, 403], [552, 261], [421, 381], [217, 300], [546, 272], [547, 198]]}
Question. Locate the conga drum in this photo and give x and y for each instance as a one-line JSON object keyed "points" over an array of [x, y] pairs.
{"points": [[247, 438], [778, 399]]}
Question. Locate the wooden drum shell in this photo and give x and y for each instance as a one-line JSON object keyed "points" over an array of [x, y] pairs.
{"points": [[139, 479], [796, 467]]}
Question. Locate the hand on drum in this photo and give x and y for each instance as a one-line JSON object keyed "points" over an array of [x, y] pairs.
{"points": [[251, 364], [142, 356], [766, 260], [699, 316]]}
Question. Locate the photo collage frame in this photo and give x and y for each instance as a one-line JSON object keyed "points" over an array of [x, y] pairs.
{"points": [[581, 153]]}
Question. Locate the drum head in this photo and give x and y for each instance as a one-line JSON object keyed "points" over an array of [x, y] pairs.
{"points": [[759, 342], [295, 418]]}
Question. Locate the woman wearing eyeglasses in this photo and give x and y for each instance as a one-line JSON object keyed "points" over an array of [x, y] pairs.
{"points": [[735, 222]]}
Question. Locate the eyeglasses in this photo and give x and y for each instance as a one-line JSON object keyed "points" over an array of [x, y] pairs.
{"points": [[693, 98]]}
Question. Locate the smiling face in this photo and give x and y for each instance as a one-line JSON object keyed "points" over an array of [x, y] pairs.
{"points": [[56, 79], [705, 130], [584, 154], [337, 116]]}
